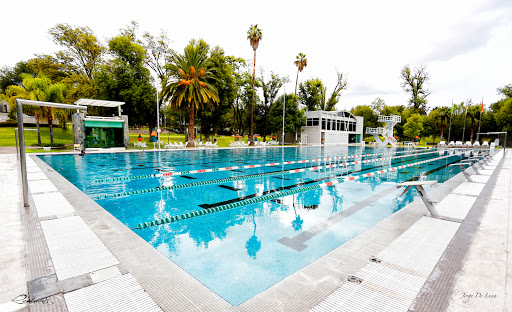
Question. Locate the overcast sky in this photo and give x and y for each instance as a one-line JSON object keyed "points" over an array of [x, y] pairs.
{"points": [[465, 44]]}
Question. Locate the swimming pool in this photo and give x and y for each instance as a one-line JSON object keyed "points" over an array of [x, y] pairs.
{"points": [[242, 250]]}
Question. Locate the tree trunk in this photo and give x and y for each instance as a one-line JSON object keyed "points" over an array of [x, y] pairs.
{"points": [[296, 81], [442, 132], [50, 124], [251, 139], [37, 127], [191, 142]]}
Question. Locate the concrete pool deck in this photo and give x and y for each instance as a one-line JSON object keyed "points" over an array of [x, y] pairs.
{"points": [[75, 256]]}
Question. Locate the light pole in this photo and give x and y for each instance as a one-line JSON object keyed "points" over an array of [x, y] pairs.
{"points": [[157, 114], [284, 105], [158, 131]]}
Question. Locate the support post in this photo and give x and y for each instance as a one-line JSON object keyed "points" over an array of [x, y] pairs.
{"points": [[423, 194], [463, 170], [23, 159], [16, 139]]}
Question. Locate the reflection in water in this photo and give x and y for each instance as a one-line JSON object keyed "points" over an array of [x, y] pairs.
{"points": [[297, 222], [253, 245]]}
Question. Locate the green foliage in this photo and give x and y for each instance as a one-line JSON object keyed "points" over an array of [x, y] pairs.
{"points": [[262, 111], [414, 126], [506, 91], [503, 116], [377, 105], [48, 66], [37, 89], [190, 83], [254, 35], [413, 82], [294, 117], [12, 76], [341, 85], [82, 53], [214, 117], [312, 94], [370, 118], [126, 79], [301, 62]]}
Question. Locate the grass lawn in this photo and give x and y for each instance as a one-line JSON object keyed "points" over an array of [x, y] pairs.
{"points": [[59, 136], [66, 137]]}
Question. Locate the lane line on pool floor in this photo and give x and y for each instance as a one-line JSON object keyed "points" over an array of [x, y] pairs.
{"points": [[181, 173], [251, 176], [275, 195], [298, 242]]}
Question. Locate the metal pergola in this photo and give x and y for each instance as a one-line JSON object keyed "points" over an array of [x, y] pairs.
{"points": [[21, 137]]}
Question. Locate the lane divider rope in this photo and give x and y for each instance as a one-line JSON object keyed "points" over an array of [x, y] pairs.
{"points": [[251, 176], [165, 174], [275, 195]]}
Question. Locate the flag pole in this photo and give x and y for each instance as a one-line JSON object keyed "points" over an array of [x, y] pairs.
{"points": [[479, 120], [450, 128], [465, 115]]}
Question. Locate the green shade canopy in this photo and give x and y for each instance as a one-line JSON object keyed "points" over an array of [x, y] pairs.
{"points": [[103, 124]]}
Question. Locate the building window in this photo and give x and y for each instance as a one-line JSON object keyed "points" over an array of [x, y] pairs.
{"points": [[329, 122], [324, 124]]}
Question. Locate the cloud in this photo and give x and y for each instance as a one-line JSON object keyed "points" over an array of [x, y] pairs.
{"points": [[472, 33], [365, 88]]}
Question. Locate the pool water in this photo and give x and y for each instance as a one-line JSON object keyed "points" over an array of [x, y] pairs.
{"points": [[240, 252]]}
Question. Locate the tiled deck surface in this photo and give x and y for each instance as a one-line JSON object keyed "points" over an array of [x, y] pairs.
{"points": [[76, 253]]}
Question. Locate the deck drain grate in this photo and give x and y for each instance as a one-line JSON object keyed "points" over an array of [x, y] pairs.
{"points": [[354, 279], [375, 260]]}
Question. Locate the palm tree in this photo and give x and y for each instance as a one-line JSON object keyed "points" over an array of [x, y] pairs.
{"points": [[473, 117], [38, 89], [444, 117], [188, 86], [300, 61], [254, 35]]}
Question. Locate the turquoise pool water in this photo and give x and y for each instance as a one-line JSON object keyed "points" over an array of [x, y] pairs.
{"points": [[240, 252]]}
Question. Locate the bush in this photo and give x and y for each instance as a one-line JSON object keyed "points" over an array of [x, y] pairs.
{"points": [[57, 145], [27, 125]]}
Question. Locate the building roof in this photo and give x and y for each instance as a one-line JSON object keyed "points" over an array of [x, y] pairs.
{"points": [[101, 103]]}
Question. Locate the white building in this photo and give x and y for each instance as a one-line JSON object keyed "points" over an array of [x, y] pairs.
{"points": [[332, 127]]}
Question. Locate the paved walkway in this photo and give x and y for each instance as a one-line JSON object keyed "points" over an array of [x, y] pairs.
{"points": [[12, 260], [461, 263]]}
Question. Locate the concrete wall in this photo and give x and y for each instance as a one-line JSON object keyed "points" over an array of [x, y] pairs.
{"points": [[79, 130], [126, 132]]}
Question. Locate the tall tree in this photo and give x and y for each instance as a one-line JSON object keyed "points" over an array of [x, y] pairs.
{"points": [[270, 90], [83, 52], [370, 118], [189, 85], [377, 105], [294, 116], [506, 91], [312, 94], [341, 84], [81, 57], [11, 76], [254, 35], [214, 118], [414, 126], [38, 89], [239, 67], [124, 78], [301, 62], [414, 82]]}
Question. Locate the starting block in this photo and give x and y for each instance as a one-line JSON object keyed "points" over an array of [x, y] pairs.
{"points": [[463, 169], [419, 187]]}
